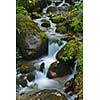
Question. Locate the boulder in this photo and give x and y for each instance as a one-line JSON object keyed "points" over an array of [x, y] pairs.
{"points": [[25, 67], [43, 95], [57, 19], [45, 23], [35, 15], [31, 76], [42, 66], [69, 52], [61, 29], [32, 5], [21, 81], [68, 86], [30, 39], [58, 69], [52, 10]]}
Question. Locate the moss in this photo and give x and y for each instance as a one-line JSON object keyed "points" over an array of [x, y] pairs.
{"points": [[57, 19], [35, 15], [21, 10], [80, 58], [61, 29], [69, 51], [51, 9], [78, 86], [26, 25]]}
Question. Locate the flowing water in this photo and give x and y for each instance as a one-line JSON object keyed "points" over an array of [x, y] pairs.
{"points": [[41, 80]]}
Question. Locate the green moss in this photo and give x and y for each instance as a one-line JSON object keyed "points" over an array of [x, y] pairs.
{"points": [[21, 10], [51, 9], [69, 51], [57, 19], [80, 58], [35, 15], [61, 29], [26, 25]]}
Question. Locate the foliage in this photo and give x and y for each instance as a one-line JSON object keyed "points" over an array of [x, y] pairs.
{"points": [[75, 17], [21, 10], [58, 19], [80, 58], [70, 50], [17, 53], [61, 29]]}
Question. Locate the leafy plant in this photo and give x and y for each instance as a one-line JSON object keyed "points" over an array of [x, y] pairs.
{"points": [[80, 58], [21, 10]]}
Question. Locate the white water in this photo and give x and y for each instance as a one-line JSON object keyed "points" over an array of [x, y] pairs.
{"points": [[63, 2], [53, 5], [41, 81], [45, 9]]}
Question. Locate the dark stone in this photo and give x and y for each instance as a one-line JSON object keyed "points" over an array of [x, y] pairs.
{"points": [[45, 23], [30, 39], [31, 76], [43, 95], [42, 66], [68, 85], [58, 69], [21, 81]]}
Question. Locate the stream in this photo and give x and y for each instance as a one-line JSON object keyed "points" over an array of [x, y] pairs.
{"points": [[41, 80]]}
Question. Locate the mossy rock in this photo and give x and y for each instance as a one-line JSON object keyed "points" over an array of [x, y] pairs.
{"points": [[31, 76], [46, 94], [30, 39], [21, 10], [21, 81], [55, 70], [51, 9], [69, 51], [45, 23], [61, 29], [57, 19], [25, 67], [35, 15], [32, 5], [78, 86]]}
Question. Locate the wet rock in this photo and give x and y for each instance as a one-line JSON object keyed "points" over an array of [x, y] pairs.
{"points": [[26, 67], [35, 15], [61, 29], [68, 86], [43, 95], [68, 52], [42, 66], [21, 81], [31, 76], [45, 23], [30, 39], [51, 9], [57, 19], [32, 5], [58, 69], [78, 86]]}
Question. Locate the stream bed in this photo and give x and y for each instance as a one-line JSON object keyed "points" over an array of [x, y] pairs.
{"points": [[41, 80]]}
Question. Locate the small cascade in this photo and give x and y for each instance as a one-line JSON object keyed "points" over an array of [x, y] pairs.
{"points": [[51, 5], [63, 3]]}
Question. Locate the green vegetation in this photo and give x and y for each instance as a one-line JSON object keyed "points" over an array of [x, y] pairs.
{"points": [[57, 19], [61, 29], [75, 17], [69, 51], [21, 10], [80, 58], [17, 53]]}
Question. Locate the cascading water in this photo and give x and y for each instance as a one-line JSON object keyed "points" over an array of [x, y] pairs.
{"points": [[54, 5], [41, 81]]}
